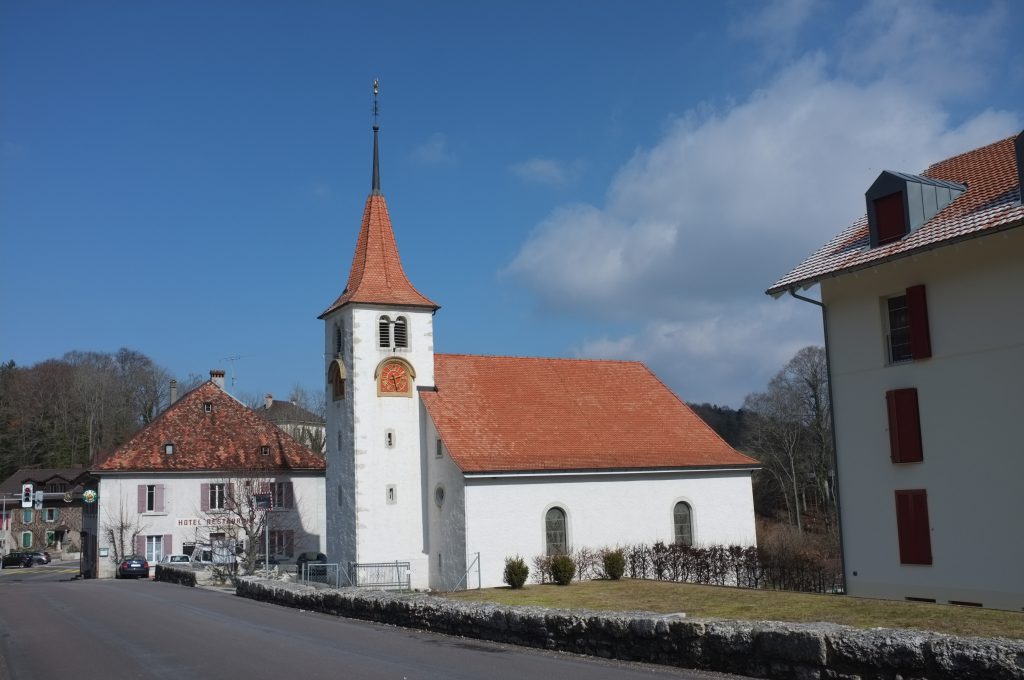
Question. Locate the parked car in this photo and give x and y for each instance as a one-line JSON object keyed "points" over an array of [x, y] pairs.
{"points": [[133, 566], [18, 559], [179, 559], [40, 557], [309, 558]]}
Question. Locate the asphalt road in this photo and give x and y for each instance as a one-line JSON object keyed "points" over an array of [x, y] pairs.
{"points": [[53, 628]]}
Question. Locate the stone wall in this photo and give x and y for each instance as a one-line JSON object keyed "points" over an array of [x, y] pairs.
{"points": [[759, 649], [185, 576]]}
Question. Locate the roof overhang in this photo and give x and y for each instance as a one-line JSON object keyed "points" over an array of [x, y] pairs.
{"points": [[605, 472]]}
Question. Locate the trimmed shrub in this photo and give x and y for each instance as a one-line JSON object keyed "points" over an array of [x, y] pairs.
{"points": [[516, 572], [562, 569], [614, 562]]}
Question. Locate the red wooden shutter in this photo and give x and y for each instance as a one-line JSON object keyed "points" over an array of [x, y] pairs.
{"points": [[158, 500], [889, 218], [904, 426], [204, 497], [142, 498], [917, 311], [912, 526]]}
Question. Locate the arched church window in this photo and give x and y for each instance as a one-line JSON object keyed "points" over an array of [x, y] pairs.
{"points": [[682, 518], [401, 332], [384, 332], [554, 532]]}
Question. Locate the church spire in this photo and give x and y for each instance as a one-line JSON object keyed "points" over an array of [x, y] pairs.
{"points": [[375, 183], [376, 276]]}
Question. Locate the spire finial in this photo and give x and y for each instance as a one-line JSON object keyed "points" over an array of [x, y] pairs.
{"points": [[375, 185]]}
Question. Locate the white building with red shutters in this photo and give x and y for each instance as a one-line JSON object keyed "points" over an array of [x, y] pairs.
{"points": [[448, 464], [924, 323], [179, 484]]}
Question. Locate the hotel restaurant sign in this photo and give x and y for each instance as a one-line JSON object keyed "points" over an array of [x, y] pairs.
{"points": [[210, 521]]}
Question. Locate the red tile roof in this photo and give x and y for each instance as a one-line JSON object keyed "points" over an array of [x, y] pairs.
{"points": [[503, 414], [991, 203], [377, 275], [230, 437]]}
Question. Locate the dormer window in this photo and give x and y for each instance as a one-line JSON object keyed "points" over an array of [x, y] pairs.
{"points": [[208, 406], [168, 448], [265, 450], [898, 204]]}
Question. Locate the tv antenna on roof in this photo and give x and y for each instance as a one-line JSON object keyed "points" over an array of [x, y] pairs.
{"points": [[233, 360]]}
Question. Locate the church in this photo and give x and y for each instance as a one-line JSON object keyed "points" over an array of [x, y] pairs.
{"points": [[444, 465]]}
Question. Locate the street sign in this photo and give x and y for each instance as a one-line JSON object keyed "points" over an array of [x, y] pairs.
{"points": [[263, 501], [39, 496]]}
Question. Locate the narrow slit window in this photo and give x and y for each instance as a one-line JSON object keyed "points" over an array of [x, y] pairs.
{"points": [[401, 332]]}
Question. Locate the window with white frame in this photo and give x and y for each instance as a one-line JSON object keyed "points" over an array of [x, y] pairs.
{"points": [[217, 496], [150, 497], [154, 548], [554, 532], [682, 519], [52, 514], [898, 329], [26, 539], [26, 516], [51, 538]]}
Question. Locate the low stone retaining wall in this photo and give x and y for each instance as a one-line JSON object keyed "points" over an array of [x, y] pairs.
{"points": [[760, 649], [184, 576]]}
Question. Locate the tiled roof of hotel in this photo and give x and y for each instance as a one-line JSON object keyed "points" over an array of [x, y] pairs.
{"points": [[991, 203], [377, 275], [228, 437], [505, 414]]}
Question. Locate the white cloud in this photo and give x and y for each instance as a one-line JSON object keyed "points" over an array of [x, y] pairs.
{"points": [[546, 171], [776, 24], [434, 151], [693, 230]]}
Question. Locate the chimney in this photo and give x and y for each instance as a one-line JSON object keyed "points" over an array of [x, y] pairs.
{"points": [[268, 400], [217, 377], [174, 392]]}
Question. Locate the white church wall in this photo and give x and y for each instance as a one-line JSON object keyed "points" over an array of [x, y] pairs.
{"points": [[183, 519], [505, 514], [445, 521], [387, 484], [340, 486]]}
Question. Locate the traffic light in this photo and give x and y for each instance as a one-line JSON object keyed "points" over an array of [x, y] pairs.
{"points": [[26, 495]]}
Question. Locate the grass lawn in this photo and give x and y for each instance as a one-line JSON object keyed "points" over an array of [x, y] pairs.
{"points": [[714, 602]]}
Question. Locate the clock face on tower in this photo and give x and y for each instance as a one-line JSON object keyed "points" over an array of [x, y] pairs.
{"points": [[393, 379]]}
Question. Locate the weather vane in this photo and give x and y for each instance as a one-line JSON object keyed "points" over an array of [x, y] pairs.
{"points": [[376, 104]]}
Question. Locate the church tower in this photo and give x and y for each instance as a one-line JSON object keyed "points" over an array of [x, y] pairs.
{"points": [[378, 339]]}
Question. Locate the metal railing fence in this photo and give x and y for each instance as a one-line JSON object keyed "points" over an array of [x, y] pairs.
{"points": [[383, 575]]}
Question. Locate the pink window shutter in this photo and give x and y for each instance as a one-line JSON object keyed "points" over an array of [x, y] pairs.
{"points": [[204, 497], [167, 547], [158, 501], [141, 488], [140, 544]]}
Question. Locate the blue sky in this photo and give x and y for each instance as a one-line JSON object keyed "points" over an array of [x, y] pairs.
{"points": [[608, 179]]}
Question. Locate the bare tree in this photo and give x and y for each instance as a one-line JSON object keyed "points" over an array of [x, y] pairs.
{"points": [[234, 512], [121, 527], [789, 430]]}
